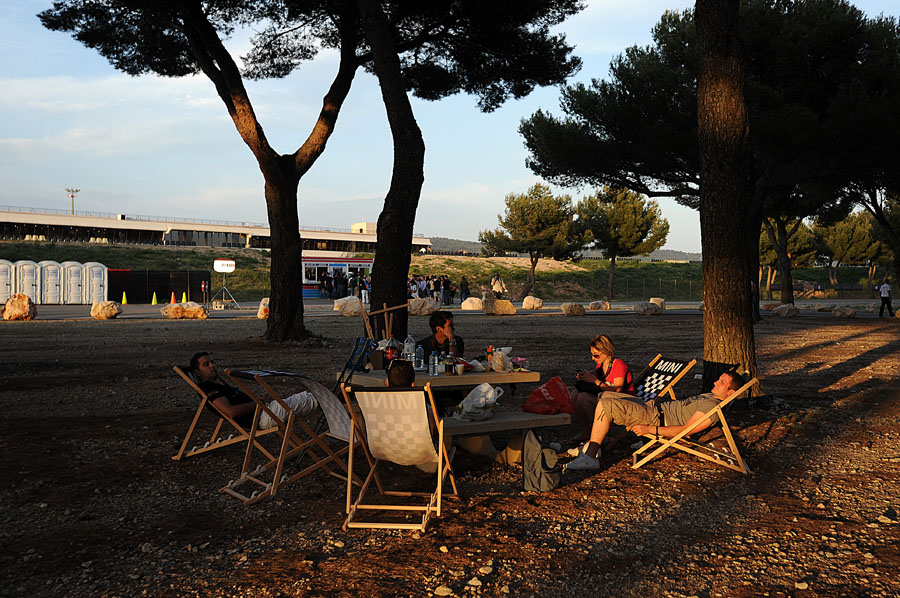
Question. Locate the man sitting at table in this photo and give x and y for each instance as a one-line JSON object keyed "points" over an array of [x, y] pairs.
{"points": [[668, 419], [443, 337], [236, 404], [400, 374]]}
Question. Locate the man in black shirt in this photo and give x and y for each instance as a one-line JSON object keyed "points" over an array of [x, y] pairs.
{"points": [[443, 336]]}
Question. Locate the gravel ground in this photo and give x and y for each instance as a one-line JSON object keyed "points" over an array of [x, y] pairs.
{"points": [[94, 506]]}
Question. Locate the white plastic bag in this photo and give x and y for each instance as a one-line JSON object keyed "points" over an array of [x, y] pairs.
{"points": [[478, 404], [500, 362]]}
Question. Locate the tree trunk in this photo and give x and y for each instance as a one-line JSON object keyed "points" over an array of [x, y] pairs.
{"points": [[873, 205], [754, 224], [395, 224], [725, 191], [779, 237], [872, 280], [832, 273], [609, 280], [286, 269], [529, 280], [769, 280]]}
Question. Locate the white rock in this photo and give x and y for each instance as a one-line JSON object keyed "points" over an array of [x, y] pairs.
{"points": [[105, 310], [19, 307], [423, 307], [474, 582], [572, 309], [801, 585], [263, 311], [599, 305], [532, 302], [645, 308], [825, 308], [786, 310], [659, 301], [843, 311], [443, 591], [184, 311], [472, 304], [348, 306], [499, 307]]}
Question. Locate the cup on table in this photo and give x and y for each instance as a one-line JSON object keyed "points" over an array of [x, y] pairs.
{"points": [[460, 367]]}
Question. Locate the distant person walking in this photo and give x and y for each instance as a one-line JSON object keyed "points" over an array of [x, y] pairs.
{"points": [[885, 290], [463, 289], [498, 287]]}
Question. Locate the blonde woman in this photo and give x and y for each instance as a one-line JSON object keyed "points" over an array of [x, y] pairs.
{"points": [[610, 374]]}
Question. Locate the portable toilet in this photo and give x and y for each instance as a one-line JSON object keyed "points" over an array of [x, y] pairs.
{"points": [[72, 283], [94, 283], [28, 279], [50, 282], [7, 280]]}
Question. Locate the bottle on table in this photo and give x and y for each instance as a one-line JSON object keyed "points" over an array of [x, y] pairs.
{"points": [[420, 358], [409, 348], [391, 350], [432, 364]]}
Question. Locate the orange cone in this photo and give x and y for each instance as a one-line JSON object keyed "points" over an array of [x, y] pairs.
{"points": [[173, 297]]}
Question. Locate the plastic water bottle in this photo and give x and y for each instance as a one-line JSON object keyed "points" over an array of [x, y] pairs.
{"points": [[420, 358], [432, 364], [409, 348]]}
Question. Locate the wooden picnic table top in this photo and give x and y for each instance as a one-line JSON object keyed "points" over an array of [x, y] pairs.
{"points": [[468, 379]]}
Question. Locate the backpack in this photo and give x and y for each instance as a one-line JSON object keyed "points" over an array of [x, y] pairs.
{"points": [[540, 472]]}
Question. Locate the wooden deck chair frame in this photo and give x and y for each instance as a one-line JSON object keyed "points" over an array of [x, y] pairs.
{"points": [[666, 392], [269, 476], [732, 460], [215, 441], [444, 457]]}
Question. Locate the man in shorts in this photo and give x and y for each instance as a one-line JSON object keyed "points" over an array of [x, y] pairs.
{"points": [[667, 419]]}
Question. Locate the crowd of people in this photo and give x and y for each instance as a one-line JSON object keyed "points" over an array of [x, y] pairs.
{"points": [[440, 288], [340, 285]]}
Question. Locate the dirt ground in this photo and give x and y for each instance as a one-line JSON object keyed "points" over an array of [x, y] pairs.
{"points": [[93, 505]]}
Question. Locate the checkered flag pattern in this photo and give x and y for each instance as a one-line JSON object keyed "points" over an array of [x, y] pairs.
{"points": [[397, 427], [653, 384]]}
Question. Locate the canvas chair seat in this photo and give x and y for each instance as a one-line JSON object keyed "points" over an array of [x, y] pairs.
{"points": [[729, 457], [298, 438], [656, 382], [396, 426], [217, 439]]}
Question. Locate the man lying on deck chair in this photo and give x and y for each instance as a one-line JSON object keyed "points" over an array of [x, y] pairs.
{"points": [[667, 419], [237, 405]]}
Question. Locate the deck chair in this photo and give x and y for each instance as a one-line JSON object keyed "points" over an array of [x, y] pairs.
{"points": [[296, 437], [657, 382], [216, 441], [397, 429], [730, 460]]}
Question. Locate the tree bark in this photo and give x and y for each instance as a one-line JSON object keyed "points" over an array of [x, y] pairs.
{"points": [[286, 269], [873, 205], [779, 236], [609, 281], [725, 192], [529, 280], [395, 224]]}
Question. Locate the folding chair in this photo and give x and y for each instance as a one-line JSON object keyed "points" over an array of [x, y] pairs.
{"points": [[730, 460], [269, 476], [657, 382], [215, 441], [397, 429]]}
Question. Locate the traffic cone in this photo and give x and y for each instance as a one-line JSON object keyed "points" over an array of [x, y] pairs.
{"points": [[124, 299], [153, 301], [173, 298], [183, 297]]}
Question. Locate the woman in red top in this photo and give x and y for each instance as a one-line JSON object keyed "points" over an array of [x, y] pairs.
{"points": [[611, 374]]}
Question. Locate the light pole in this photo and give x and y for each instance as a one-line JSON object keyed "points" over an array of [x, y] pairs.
{"points": [[72, 192]]}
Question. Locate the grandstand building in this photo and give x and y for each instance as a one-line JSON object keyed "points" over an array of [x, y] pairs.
{"points": [[36, 224]]}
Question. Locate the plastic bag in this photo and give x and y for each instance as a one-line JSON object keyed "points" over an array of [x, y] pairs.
{"points": [[500, 362], [549, 398], [478, 404]]}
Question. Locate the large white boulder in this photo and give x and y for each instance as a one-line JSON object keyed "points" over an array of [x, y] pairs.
{"points": [[572, 309], [645, 308], [532, 302], [843, 311], [825, 308], [263, 311], [472, 304], [190, 310], [105, 310], [659, 301], [599, 305], [786, 310], [499, 307], [423, 307], [19, 307], [348, 306]]}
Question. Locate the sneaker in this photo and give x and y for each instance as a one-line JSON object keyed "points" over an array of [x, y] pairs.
{"points": [[577, 451], [584, 461]]}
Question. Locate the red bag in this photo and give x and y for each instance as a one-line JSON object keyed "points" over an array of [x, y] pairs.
{"points": [[549, 398]]}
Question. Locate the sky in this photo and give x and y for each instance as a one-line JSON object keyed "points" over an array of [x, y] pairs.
{"points": [[166, 147]]}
